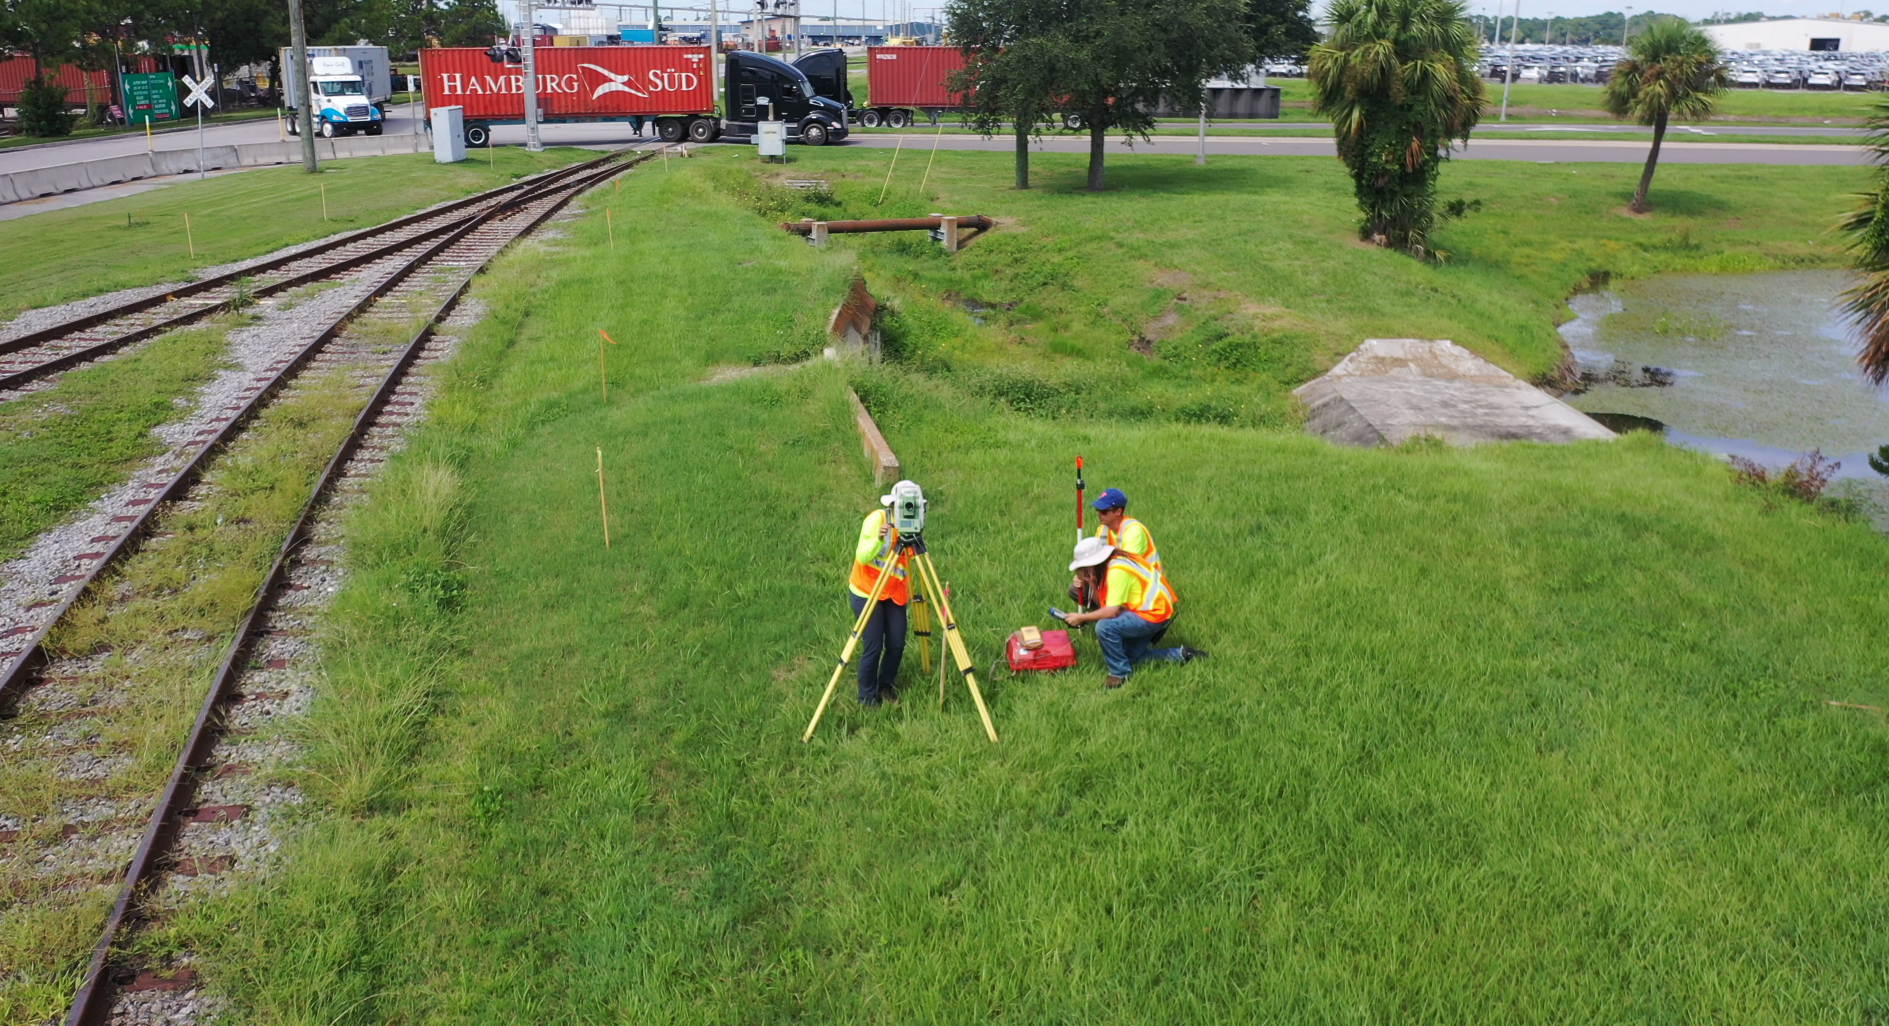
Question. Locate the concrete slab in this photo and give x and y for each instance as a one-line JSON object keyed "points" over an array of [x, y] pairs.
{"points": [[1389, 390]]}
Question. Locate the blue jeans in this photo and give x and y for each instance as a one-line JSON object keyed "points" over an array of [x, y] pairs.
{"points": [[881, 648], [1124, 642]]}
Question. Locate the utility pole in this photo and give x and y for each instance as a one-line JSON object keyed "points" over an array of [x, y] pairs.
{"points": [[304, 114], [1509, 79], [532, 144]]}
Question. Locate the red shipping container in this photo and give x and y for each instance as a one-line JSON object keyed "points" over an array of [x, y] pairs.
{"points": [[1057, 652], [573, 82], [912, 76], [17, 70]]}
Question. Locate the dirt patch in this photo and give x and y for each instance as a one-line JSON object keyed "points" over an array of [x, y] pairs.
{"points": [[1173, 280]]}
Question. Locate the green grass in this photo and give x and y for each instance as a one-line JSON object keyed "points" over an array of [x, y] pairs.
{"points": [[1518, 733], [60, 448], [1241, 276], [1583, 103], [141, 240]]}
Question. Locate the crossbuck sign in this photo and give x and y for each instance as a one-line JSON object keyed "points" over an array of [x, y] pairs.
{"points": [[199, 93]]}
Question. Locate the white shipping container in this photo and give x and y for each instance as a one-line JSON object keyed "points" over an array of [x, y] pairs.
{"points": [[369, 62]]}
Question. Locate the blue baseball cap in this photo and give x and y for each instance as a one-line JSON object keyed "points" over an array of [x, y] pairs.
{"points": [[1111, 499]]}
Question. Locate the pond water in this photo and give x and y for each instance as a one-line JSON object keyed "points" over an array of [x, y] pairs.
{"points": [[1759, 365]]}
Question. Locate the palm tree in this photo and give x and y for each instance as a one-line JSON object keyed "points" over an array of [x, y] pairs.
{"points": [[1671, 70], [1868, 226], [1398, 80]]}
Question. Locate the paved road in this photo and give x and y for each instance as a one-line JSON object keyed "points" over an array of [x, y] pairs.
{"points": [[1551, 151], [1491, 125], [263, 130]]}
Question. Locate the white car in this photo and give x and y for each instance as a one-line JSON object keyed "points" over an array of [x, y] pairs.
{"points": [[1747, 78], [1855, 80], [1823, 78], [1780, 78]]}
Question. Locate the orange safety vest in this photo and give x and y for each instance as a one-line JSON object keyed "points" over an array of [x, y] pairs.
{"points": [[1152, 557], [1157, 599], [866, 574]]}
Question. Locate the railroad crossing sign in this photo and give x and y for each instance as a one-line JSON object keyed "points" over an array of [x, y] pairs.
{"points": [[199, 93]]}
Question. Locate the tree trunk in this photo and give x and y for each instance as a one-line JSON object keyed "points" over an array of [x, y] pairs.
{"points": [[1639, 204], [1098, 137], [1023, 154]]}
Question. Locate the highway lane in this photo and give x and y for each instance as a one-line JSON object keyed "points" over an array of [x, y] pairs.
{"points": [[1549, 151], [400, 121]]}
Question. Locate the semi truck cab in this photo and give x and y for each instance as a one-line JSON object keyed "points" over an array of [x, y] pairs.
{"points": [[339, 103], [789, 96]]}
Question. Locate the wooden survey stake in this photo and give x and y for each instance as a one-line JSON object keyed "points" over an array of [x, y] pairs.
{"points": [[602, 501]]}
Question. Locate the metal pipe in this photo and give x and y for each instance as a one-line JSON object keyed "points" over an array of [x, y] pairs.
{"points": [[890, 224]]}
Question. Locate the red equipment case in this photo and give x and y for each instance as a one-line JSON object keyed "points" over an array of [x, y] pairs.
{"points": [[912, 76], [573, 82], [1057, 653]]}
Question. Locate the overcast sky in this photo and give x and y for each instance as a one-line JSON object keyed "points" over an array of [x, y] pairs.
{"points": [[922, 9]]}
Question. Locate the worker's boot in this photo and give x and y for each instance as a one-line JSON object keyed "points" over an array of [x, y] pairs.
{"points": [[1112, 682]]}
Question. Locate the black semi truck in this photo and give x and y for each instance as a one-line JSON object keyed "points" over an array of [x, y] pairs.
{"points": [[789, 95]]}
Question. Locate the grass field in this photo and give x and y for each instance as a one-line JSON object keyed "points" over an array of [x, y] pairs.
{"points": [[141, 239], [1516, 734]]}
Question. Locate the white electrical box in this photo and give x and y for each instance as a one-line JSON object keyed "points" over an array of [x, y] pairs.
{"points": [[449, 134], [772, 137]]}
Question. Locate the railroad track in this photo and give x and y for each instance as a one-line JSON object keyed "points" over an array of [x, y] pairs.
{"points": [[420, 284], [36, 355]]}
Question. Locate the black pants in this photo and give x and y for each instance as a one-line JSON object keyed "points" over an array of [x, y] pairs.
{"points": [[881, 648]]}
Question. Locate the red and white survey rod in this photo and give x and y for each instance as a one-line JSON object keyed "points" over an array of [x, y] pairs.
{"points": [[1078, 499]]}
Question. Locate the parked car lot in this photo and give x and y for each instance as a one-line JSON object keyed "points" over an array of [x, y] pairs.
{"points": [[1750, 69]]}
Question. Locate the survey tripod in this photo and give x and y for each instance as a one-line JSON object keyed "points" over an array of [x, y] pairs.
{"points": [[926, 574]]}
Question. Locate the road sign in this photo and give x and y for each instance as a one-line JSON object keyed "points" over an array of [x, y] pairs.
{"points": [[151, 97], [199, 93]]}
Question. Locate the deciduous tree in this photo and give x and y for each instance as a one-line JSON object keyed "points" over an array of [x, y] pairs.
{"points": [[1398, 80], [1008, 68], [1671, 70]]}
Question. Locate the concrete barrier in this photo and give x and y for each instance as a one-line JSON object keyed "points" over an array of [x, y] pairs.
{"points": [[92, 174]]}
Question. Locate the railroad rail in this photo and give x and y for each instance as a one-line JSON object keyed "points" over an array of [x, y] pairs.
{"points": [[35, 355], [436, 274]]}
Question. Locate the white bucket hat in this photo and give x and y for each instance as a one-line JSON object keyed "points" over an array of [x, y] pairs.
{"points": [[1091, 552]]}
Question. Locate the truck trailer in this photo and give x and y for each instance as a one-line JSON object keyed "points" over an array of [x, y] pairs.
{"points": [[902, 81], [669, 88]]}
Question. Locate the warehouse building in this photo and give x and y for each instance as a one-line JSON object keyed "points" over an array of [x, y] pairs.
{"points": [[1826, 34]]}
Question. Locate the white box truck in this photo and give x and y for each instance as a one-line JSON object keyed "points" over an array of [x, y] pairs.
{"points": [[341, 103], [368, 62]]}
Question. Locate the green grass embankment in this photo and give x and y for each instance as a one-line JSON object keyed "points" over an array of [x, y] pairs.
{"points": [[1519, 733], [1207, 293], [63, 255]]}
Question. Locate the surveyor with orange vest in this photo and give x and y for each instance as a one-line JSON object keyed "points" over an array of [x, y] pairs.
{"points": [[882, 644], [1136, 606], [1123, 531]]}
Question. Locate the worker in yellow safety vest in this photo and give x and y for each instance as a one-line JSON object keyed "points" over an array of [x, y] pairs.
{"points": [[1136, 605], [882, 645], [1125, 533]]}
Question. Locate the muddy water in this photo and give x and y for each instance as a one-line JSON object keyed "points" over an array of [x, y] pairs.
{"points": [[1761, 365]]}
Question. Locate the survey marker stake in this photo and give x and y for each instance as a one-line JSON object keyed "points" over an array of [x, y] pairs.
{"points": [[601, 371], [1078, 500], [603, 502]]}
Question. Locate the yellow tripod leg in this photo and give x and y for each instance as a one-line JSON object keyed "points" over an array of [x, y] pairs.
{"points": [[921, 625], [852, 642], [922, 560]]}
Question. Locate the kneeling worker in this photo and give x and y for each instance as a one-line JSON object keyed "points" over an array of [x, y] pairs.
{"points": [[1136, 606], [882, 644], [1124, 533]]}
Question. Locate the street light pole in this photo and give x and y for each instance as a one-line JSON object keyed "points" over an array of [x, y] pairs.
{"points": [[1624, 28], [304, 113], [1509, 78], [532, 143]]}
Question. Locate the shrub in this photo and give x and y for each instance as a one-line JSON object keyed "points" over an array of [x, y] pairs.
{"points": [[1804, 480], [43, 110]]}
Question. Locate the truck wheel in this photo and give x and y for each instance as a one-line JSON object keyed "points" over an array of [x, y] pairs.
{"points": [[701, 130], [327, 130], [813, 133], [295, 126], [899, 118], [374, 129], [1072, 121], [669, 130], [870, 119], [478, 135]]}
